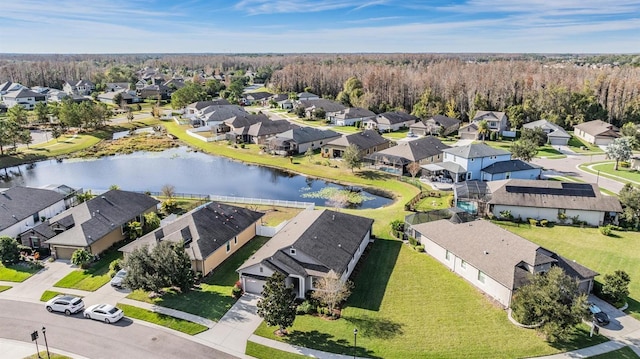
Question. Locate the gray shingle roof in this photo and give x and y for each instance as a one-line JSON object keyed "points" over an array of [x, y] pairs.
{"points": [[413, 151], [365, 139], [552, 194], [395, 117], [598, 128], [510, 166], [204, 229], [488, 115], [444, 121], [22, 93], [326, 105], [99, 216], [267, 128], [202, 104], [18, 203], [354, 112], [307, 134], [476, 150]]}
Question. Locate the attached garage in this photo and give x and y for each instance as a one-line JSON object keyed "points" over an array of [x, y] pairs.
{"points": [[253, 285], [63, 252]]}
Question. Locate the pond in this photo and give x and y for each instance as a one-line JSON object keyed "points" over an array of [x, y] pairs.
{"points": [[187, 171]]}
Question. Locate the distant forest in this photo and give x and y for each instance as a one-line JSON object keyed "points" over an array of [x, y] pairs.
{"points": [[566, 89]]}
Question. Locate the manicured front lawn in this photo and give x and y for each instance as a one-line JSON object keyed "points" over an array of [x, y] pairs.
{"points": [[577, 145], [5, 287], [48, 294], [94, 277], [213, 299], [16, 272], [260, 351], [182, 325], [407, 305], [622, 353], [606, 170], [590, 248], [547, 151]]}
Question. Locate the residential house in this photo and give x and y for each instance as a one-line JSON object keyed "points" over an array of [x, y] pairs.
{"points": [[307, 248], [552, 200], [23, 97], [596, 132], [79, 87], [55, 95], [432, 125], [22, 208], [237, 127], [9, 86], [329, 106], [390, 121], [211, 233], [556, 135], [258, 98], [214, 115], [350, 116], [258, 133], [70, 194], [117, 86], [497, 122], [307, 96], [98, 223], [173, 84], [469, 161], [117, 97], [196, 107], [395, 159], [492, 259], [299, 140], [367, 141], [154, 92], [511, 169]]}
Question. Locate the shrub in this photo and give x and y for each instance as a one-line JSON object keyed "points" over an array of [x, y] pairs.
{"points": [[493, 136], [616, 287], [81, 258], [562, 217], [305, 307], [506, 214], [9, 252], [236, 291], [413, 241], [115, 265], [624, 164], [544, 222], [605, 230], [419, 248], [26, 249], [533, 222], [576, 220]]}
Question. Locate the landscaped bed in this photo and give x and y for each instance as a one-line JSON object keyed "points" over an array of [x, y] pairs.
{"points": [[590, 248], [213, 299], [92, 278], [415, 307]]}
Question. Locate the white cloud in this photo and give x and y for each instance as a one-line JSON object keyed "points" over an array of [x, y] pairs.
{"points": [[256, 7]]}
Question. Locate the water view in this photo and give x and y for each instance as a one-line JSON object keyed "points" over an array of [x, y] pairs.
{"points": [[188, 171]]}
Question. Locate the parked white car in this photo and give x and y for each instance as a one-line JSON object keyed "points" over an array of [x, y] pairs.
{"points": [[104, 312], [117, 279], [65, 303]]}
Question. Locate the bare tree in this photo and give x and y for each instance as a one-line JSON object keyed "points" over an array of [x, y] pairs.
{"points": [[331, 290], [168, 191], [414, 168]]}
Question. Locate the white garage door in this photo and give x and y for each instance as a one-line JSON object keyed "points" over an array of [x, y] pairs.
{"points": [[253, 285]]}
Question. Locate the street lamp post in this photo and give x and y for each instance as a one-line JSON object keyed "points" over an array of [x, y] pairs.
{"points": [[44, 334], [355, 337]]}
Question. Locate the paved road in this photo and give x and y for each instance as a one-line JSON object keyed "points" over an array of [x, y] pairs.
{"points": [[97, 340], [569, 167]]}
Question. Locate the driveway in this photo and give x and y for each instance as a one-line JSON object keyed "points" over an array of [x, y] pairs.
{"points": [[569, 167], [31, 289]]}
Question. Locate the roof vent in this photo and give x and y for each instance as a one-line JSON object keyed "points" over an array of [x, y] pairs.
{"points": [[333, 217], [486, 252], [339, 245]]}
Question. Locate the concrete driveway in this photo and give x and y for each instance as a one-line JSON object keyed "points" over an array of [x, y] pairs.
{"points": [[31, 289]]}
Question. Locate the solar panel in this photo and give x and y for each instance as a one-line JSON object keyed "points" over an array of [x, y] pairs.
{"points": [[568, 189]]}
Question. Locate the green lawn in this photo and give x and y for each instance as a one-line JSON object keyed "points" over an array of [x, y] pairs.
{"points": [[431, 203], [16, 272], [547, 151], [576, 145], [94, 277], [606, 170], [622, 353], [592, 249], [414, 307], [263, 352], [43, 354], [182, 325], [5, 287], [214, 298], [48, 294], [396, 135]]}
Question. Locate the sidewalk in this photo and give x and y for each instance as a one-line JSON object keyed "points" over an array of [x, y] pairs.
{"points": [[170, 312], [14, 349]]}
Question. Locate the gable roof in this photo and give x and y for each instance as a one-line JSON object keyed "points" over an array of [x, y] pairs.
{"points": [[23, 92], [245, 120], [552, 129], [354, 112], [203, 230], [258, 95], [326, 105], [476, 150], [99, 216], [552, 194], [444, 121], [269, 128], [306, 94], [18, 203], [202, 104], [365, 139], [510, 166], [307, 134], [330, 239], [488, 115], [395, 117], [598, 128], [490, 248], [413, 151]]}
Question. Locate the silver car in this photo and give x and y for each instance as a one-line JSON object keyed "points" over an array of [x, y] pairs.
{"points": [[117, 279]]}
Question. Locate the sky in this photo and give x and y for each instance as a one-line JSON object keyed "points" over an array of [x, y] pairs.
{"points": [[329, 26]]}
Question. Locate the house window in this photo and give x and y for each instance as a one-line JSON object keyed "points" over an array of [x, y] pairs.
{"points": [[471, 160], [448, 255], [463, 265], [292, 251], [469, 175], [507, 175], [481, 277], [35, 242], [228, 246], [235, 240], [36, 217]]}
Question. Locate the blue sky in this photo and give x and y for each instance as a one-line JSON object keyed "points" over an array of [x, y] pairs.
{"points": [[259, 26]]}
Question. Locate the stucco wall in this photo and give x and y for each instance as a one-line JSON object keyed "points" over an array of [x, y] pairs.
{"points": [[593, 218], [217, 257]]}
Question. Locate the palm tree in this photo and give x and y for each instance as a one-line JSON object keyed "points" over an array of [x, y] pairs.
{"points": [[483, 129]]}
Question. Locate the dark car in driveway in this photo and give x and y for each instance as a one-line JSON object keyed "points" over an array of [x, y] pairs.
{"points": [[599, 317]]}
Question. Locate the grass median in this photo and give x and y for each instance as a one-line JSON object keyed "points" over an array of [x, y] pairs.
{"points": [[164, 320]]}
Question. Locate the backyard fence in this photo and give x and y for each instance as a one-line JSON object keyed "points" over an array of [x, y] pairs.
{"points": [[268, 231], [262, 201]]}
